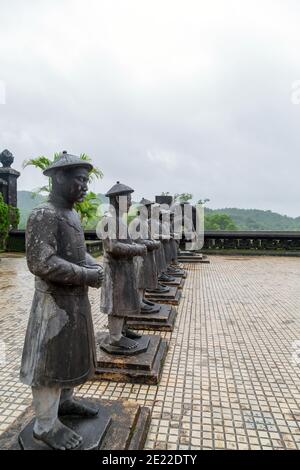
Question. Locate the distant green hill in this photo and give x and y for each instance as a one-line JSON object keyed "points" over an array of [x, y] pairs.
{"points": [[244, 219], [256, 219], [26, 202]]}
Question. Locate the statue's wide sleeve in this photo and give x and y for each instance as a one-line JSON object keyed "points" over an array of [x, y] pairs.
{"points": [[90, 261], [119, 249], [41, 250]]}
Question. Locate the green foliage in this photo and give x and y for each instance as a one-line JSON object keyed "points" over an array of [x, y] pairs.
{"points": [[9, 218], [132, 213], [4, 222], [255, 219], [183, 197], [87, 209], [203, 201], [95, 173], [219, 222], [41, 162], [13, 216]]}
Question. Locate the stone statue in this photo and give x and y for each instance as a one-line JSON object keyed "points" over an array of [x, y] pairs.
{"points": [[174, 246], [119, 294], [146, 267], [160, 259], [165, 237], [59, 349]]}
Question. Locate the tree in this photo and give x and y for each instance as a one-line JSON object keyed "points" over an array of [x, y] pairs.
{"points": [[219, 222], [182, 197], [87, 209], [203, 201]]}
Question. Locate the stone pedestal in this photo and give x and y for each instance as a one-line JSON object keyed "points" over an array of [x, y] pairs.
{"points": [[119, 425], [164, 320], [143, 367], [178, 282], [192, 257], [172, 297], [182, 273]]}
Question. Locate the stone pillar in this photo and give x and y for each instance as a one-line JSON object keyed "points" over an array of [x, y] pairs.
{"points": [[164, 199], [8, 178]]}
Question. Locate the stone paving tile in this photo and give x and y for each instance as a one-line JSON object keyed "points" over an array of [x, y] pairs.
{"points": [[229, 380]]}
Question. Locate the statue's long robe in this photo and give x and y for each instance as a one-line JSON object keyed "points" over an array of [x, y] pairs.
{"points": [[59, 346], [174, 250], [159, 254], [146, 268], [119, 292]]}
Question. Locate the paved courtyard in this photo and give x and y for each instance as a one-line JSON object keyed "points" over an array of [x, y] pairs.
{"points": [[231, 378]]}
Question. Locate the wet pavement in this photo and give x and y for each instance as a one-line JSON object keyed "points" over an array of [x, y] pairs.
{"points": [[231, 378]]}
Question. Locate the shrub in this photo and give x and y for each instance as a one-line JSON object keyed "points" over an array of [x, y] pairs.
{"points": [[4, 222], [9, 218]]}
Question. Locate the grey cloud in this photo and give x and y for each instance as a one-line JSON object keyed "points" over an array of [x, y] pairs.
{"points": [[226, 130]]}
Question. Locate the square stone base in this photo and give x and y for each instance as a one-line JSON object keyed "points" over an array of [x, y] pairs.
{"points": [[164, 320], [182, 274], [192, 257], [178, 282], [120, 425], [145, 367], [172, 297]]}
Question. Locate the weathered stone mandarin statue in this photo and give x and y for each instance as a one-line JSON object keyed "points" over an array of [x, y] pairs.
{"points": [[165, 237], [119, 294], [59, 351], [161, 231], [146, 267], [174, 245]]}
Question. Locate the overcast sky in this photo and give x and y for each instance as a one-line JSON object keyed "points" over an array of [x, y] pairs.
{"points": [[164, 95]]}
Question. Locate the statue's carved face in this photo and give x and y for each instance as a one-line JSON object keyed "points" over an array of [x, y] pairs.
{"points": [[73, 184]]}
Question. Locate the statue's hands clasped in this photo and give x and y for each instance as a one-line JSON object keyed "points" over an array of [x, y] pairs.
{"points": [[141, 250], [95, 276]]}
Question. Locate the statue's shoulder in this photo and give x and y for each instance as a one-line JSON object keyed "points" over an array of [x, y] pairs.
{"points": [[45, 213]]}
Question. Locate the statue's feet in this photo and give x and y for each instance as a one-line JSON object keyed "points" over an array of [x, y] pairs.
{"points": [[125, 343], [131, 334], [172, 270], [148, 302], [76, 407], [166, 278], [161, 289], [150, 307], [145, 308], [60, 437], [163, 277]]}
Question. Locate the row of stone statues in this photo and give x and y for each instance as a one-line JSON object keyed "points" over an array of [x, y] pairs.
{"points": [[60, 348], [132, 265]]}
